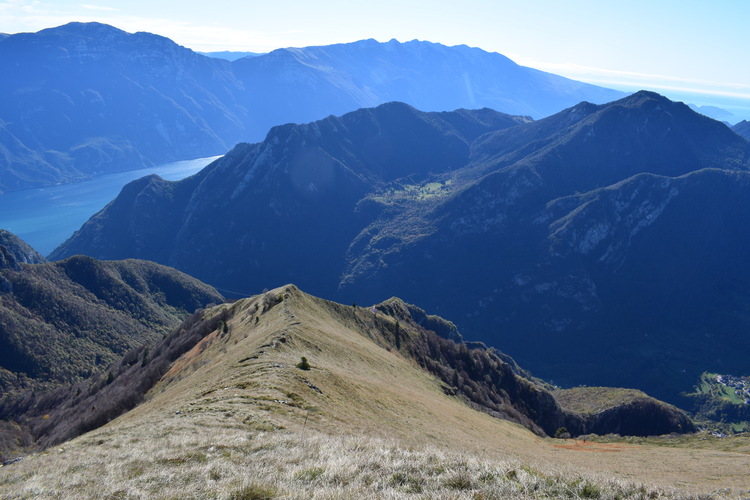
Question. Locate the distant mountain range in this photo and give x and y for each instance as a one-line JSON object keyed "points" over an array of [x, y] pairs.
{"points": [[230, 55], [63, 321], [601, 245], [713, 112], [86, 99]]}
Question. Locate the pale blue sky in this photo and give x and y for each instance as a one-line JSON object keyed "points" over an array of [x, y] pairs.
{"points": [[679, 46]]}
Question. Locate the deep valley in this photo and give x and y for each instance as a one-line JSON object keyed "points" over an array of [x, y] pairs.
{"points": [[607, 237]]}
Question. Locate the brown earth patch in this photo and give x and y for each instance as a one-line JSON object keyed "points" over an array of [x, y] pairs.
{"points": [[191, 356], [579, 445]]}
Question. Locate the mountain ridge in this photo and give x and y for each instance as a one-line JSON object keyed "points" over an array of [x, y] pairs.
{"points": [[491, 90], [94, 99], [238, 375], [523, 222], [90, 98], [63, 321], [341, 176], [390, 336]]}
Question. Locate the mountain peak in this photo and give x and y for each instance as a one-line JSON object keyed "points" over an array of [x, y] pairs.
{"points": [[90, 30], [14, 251], [644, 97], [89, 44]]}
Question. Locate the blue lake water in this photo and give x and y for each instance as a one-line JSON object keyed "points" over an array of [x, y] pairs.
{"points": [[45, 217]]}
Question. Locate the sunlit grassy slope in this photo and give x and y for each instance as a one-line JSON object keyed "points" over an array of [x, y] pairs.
{"points": [[236, 418]]}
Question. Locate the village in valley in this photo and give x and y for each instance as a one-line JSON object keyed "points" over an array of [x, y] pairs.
{"points": [[739, 385]]}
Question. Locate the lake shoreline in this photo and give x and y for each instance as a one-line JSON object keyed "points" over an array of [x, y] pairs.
{"points": [[45, 217]]}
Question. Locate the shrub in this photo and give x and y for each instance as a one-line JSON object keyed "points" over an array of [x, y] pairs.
{"points": [[459, 481], [590, 490], [253, 491], [303, 364], [562, 433]]}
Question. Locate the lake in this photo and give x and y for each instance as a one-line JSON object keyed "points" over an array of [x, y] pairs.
{"points": [[45, 217]]}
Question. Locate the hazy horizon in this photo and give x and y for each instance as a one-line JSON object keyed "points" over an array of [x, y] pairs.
{"points": [[673, 46]]}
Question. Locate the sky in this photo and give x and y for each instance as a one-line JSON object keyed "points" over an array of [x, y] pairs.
{"points": [[679, 47]]}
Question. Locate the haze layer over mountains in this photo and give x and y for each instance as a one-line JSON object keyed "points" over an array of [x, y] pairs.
{"points": [[86, 98]]}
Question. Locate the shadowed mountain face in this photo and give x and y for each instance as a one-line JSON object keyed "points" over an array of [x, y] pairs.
{"points": [[602, 245], [743, 129], [295, 197], [86, 99], [62, 321]]}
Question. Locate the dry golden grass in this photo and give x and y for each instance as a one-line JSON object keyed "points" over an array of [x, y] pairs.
{"points": [[588, 400], [182, 457], [238, 419]]}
